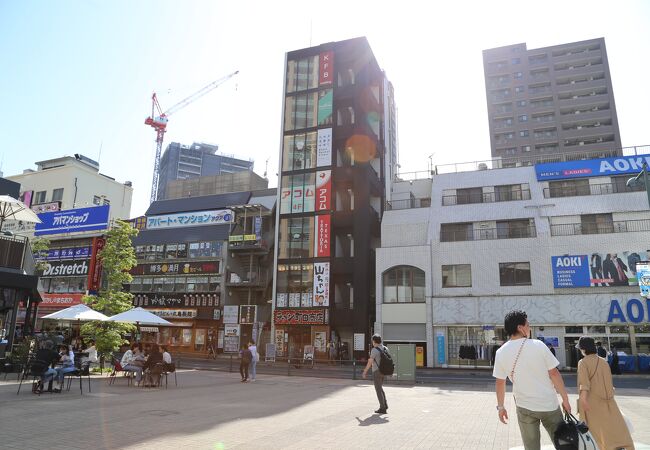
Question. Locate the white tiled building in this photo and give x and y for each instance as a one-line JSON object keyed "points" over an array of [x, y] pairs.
{"points": [[447, 274]]}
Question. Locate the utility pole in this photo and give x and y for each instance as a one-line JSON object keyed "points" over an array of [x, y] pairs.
{"points": [[635, 181]]}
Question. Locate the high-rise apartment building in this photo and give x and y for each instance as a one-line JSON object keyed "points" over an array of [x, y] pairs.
{"points": [[338, 139], [550, 103], [180, 162]]}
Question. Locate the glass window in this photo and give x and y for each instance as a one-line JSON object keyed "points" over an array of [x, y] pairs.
{"points": [[459, 275], [297, 193], [44, 284], [59, 285], [146, 284], [518, 75], [97, 200], [39, 197], [168, 284], [301, 111], [179, 284], [191, 284], [523, 133], [523, 118], [403, 284], [187, 336], [78, 284], [57, 195], [450, 232], [202, 284], [574, 330], [215, 284], [296, 237], [158, 284], [136, 284], [519, 89], [595, 330], [199, 339], [514, 274], [302, 74], [597, 223], [170, 250], [194, 250], [521, 103], [181, 251], [299, 151], [295, 279]]}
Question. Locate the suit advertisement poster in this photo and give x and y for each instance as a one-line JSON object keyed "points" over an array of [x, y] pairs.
{"points": [[598, 269]]}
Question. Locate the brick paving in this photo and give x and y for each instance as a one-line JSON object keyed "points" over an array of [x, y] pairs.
{"points": [[213, 410]]}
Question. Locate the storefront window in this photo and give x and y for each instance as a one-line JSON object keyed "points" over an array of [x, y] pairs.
{"points": [[295, 284], [146, 284], [176, 336], [78, 284], [403, 284], [181, 251], [187, 336], [299, 151], [136, 284], [595, 330], [202, 284], [157, 284], [199, 339], [215, 284], [474, 346], [164, 336], [191, 284], [44, 284], [296, 237], [194, 250], [168, 284], [170, 250], [59, 285], [642, 329], [574, 330], [616, 329], [179, 284]]}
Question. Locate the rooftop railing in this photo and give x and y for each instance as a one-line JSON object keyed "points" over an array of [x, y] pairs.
{"points": [[482, 234], [486, 197], [592, 189]]}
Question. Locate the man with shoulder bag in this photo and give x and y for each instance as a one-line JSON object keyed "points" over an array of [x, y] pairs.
{"points": [[535, 379]]}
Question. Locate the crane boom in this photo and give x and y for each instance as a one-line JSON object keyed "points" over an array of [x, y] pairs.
{"points": [[159, 123]]}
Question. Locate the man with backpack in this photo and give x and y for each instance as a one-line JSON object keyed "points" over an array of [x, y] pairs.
{"points": [[382, 365]]}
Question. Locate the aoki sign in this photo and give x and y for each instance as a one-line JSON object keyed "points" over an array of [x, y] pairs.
{"points": [[635, 311], [591, 167]]}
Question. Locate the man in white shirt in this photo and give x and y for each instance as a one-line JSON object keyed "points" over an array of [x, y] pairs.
{"points": [[532, 370], [256, 357]]}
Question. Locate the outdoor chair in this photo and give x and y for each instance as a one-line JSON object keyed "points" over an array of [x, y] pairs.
{"points": [[82, 369], [167, 369], [117, 368], [155, 374], [33, 369]]}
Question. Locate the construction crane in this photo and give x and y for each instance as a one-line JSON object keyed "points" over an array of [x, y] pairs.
{"points": [[159, 123]]}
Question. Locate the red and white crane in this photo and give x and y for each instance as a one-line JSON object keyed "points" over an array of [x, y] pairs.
{"points": [[159, 123]]}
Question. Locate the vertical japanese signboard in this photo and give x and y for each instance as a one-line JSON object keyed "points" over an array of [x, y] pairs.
{"points": [[326, 64], [321, 284], [323, 190], [257, 227], [322, 240], [96, 266], [324, 147]]}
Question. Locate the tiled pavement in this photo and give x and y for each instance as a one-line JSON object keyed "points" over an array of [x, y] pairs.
{"points": [[213, 410]]}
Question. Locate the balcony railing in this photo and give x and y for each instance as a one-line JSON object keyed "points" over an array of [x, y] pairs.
{"points": [[592, 189], [246, 242], [483, 234], [254, 279], [487, 197], [408, 203], [12, 251], [624, 226]]}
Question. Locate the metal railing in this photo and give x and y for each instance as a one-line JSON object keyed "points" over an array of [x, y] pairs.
{"points": [[592, 189], [255, 279], [486, 197], [408, 203], [623, 226], [12, 251], [483, 234]]}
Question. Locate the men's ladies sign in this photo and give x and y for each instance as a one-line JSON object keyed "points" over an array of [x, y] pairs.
{"points": [[598, 269]]}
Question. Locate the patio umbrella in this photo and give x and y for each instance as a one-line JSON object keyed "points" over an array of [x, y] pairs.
{"points": [[77, 313], [10, 208], [139, 316]]}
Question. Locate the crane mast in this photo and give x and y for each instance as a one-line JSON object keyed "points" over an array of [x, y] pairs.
{"points": [[159, 123]]}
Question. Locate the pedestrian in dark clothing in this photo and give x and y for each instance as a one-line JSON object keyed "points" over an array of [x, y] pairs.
{"points": [[377, 377], [616, 369], [600, 350], [245, 361]]}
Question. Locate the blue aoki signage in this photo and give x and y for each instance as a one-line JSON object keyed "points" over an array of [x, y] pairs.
{"points": [[590, 167], [570, 271], [635, 311], [190, 219], [73, 220]]}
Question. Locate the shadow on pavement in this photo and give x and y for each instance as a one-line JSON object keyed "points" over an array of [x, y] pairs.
{"points": [[375, 419]]}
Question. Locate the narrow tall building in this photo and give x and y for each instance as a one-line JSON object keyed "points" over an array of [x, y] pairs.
{"points": [[551, 103], [182, 162], [339, 138]]}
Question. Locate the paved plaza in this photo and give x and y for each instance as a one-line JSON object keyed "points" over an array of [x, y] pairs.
{"points": [[213, 410]]}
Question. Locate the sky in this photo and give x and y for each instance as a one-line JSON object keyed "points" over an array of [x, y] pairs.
{"points": [[77, 76]]}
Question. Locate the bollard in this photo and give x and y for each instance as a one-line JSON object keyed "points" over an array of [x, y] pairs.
{"points": [[354, 369]]}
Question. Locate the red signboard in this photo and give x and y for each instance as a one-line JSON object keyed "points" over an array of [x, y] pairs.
{"points": [[323, 190], [63, 300], [300, 317], [326, 68], [94, 277], [322, 241]]}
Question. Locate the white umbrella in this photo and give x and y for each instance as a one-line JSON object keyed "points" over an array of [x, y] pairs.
{"points": [[139, 316], [10, 208], [77, 312]]}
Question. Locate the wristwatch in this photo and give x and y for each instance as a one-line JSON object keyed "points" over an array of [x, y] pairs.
{"points": [[499, 408]]}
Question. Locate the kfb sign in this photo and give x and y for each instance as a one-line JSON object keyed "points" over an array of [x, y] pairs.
{"points": [[591, 167], [73, 220], [190, 219], [635, 311], [570, 271]]}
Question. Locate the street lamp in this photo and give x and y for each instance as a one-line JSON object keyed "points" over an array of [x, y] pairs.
{"points": [[635, 181]]}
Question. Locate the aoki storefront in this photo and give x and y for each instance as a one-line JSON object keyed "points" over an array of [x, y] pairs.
{"points": [[621, 321]]}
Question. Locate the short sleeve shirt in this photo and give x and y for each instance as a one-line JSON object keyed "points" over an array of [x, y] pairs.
{"points": [[375, 355]]}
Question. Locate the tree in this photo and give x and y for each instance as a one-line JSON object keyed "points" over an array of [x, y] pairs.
{"points": [[117, 258], [40, 246]]}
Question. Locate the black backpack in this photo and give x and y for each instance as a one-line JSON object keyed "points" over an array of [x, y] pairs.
{"points": [[386, 364]]}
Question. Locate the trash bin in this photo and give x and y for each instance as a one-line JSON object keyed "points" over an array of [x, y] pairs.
{"points": [[644, 363]]}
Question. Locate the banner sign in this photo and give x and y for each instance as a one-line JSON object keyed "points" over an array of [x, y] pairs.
{"points": [[231, 330], [65, 253], [440, 345], [326, 65], [306, 299], [300, 317], [325, 99], [597, 269], [323, 190], [322, 224], [174, 313], [643, 277], [190, 219], [321, 284], [176, 268], [139, 223], [257, 227], [281, 300], [66, 269], [231, 314], [64, 300], [73, 220], [324, 148], [46, 207], [171, 299], [96, 265], [591, 167], [247, 314]]}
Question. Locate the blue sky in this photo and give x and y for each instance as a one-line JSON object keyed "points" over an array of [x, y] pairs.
{"points": [[78, 75]]}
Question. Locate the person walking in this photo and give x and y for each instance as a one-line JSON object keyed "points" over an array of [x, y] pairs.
{"points": [[596, 404], [614, 365], [255, 357], [532, 370], [600, 350], [245, 361], [377, 376]]}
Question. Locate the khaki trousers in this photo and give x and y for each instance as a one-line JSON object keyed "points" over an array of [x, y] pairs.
{"points": [[529, 425]]}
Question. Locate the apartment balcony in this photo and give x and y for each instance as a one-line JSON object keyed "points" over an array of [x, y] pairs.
{"points": [[572, 56], [248, 280], [487, 234], [624, 226], [408, 203], [592, 189], [583, 82], [247, 242], [487, 197], [601, 130], [585, 100]]}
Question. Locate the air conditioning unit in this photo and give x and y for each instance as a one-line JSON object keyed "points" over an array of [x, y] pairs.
{"points": [[579, 127], [484, 225], [581, 143]]}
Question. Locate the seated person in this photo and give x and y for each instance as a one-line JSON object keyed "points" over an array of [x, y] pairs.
{"points": [[46, 357], [130, 364], [153, 370], [92, 353], [66, 365], [167, 357]]}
